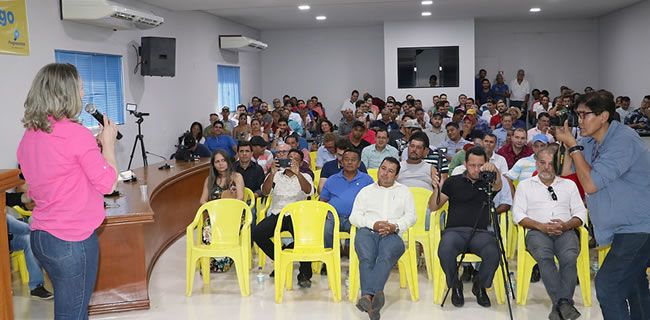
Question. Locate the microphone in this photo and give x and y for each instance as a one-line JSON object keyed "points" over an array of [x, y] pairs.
{"points": [[92, 110], [164, 166]]}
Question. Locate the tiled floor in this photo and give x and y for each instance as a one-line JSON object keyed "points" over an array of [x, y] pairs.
{"points": [[222, 299]]}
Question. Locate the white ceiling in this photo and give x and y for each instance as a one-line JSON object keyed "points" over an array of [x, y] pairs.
{"points": [[282, 14]]}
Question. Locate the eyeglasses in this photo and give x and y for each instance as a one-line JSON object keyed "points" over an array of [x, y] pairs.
{"points": [[583, 114], [552, 192]]}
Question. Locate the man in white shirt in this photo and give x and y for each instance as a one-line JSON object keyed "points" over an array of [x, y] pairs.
{"points": [[373, 155], [350, 104], [624, 111], [551, 208], [542, 127], [285, 185], [520, 92], [381, 212]]}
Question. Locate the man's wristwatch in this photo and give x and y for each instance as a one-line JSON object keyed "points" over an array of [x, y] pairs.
{"points": [[575, 149]]}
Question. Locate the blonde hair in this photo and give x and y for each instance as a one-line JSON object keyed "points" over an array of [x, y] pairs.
{"points": [[54, 92]]}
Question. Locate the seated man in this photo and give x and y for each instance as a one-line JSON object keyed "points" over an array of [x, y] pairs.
{"points": [[335, 166], [292, 140], [340, 191], [552, 209], [252, 172], [379, 225], [466, 211], [19, 240], [220, 140], [415, 172], [261, 155], [285, 185], [374, 154], [525, 167], [356, 136], [327, 151], [517, 148]]}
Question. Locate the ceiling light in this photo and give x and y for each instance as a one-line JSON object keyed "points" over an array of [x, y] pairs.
{"points": [[536, 9], [427, 3], [304, 7], [321, 17], [426, 13]]}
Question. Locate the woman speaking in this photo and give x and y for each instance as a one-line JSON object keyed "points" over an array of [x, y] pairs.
{"points": [[67, 176]]}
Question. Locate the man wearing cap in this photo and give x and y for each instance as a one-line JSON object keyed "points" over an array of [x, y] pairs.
{"points": [[398, 138], [469, 132], [261, 155], [525, 167], [517, 148], [228, 124]]}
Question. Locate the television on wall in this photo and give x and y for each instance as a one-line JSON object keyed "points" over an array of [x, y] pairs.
{"points": [[427, 67]]}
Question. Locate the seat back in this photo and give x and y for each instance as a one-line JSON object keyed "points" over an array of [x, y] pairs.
{"points": [[312, 157], [373, 174], [225, 216], [421, 198], [249, 197], [308, 219], [316, 179]]}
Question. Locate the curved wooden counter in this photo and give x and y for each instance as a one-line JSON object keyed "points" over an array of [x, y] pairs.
{"points": [[137, 230]]}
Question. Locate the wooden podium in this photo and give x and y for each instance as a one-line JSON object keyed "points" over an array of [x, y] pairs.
{"points": [[8, 180]]}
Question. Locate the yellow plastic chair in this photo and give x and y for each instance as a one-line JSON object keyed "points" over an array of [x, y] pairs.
{"points": [[263, 205], [19, 263], [510, 242], [423, 236], [373, 173], [317, 265], [407, 266], [602, 253], [22, 212], [250, 199], [308, 218], [439, 282], [312, 157], [525, 263], [229, 238]]}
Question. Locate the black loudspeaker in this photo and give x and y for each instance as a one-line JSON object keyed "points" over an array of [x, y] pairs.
{"points": [[158, 56]]}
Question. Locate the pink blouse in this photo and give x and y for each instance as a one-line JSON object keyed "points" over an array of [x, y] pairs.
{"points": [[67, 177]]}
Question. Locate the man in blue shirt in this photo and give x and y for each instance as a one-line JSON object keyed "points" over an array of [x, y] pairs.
{"points": [[335, 166], [613, 166], [221, 141], [341, 189]]}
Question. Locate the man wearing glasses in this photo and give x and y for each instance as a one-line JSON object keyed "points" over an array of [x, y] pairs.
{"points": [[551, 208]]}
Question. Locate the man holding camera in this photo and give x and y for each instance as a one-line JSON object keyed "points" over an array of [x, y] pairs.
{"points": [[467, 223], [613, 166], [286, 184]]}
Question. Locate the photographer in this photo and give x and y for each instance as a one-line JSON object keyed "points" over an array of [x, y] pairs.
{"points": [[468, 209], [613, 166]]}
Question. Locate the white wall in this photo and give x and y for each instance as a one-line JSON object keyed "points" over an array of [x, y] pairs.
{"points": [[328, 63], [553, 53], [430, 34], [625, 52], [173, 102]]}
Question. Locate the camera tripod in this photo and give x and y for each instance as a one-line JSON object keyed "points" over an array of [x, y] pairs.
{"points": [[139, 138], [503, 262]]}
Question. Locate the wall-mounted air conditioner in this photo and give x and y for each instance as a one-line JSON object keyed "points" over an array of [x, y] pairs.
{"points": [[240, 43], [108, 14]]}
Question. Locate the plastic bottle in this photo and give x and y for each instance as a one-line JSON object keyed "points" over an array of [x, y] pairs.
{"points": [[513, 280], [260, 275]]}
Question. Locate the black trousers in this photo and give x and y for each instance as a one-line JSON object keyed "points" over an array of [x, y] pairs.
{"points": [[262, 234], [482, 244]]}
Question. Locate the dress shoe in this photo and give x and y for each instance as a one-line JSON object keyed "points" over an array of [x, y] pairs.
{"points": [[554, 315], [481, 295], [567, 310], [535, 276], [378, 301], [457, 298]]}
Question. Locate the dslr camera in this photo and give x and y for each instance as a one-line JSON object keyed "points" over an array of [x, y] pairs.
{"points": [[568, 114], [488, 176]]}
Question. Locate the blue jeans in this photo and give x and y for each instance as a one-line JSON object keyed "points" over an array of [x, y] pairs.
{"points": [[20, 231], [621, 282], [72, 267], [377, 256], [344, 226]]}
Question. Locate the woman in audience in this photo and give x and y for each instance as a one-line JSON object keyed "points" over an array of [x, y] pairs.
{"points": [[242, 131], [196, 129], [68, 175], [324, 126], [256, 130], [223, 182]]}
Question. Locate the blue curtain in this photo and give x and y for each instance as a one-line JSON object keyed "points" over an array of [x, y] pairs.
{"points": [[102, 78], [228, 95]]}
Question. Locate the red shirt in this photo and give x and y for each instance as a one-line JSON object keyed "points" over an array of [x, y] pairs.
{"points": [[508, 153], [495, 120]]}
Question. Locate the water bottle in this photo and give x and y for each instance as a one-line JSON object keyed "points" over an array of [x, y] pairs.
{"points": [[594, 267], [513, 280], [260, 276]]}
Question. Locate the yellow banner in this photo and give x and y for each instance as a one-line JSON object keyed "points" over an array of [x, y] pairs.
{"points": [[14, 37]]}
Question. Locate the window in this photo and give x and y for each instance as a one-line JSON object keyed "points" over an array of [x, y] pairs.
{"points": [[102, 78], [427, 67], [228, 78]]}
